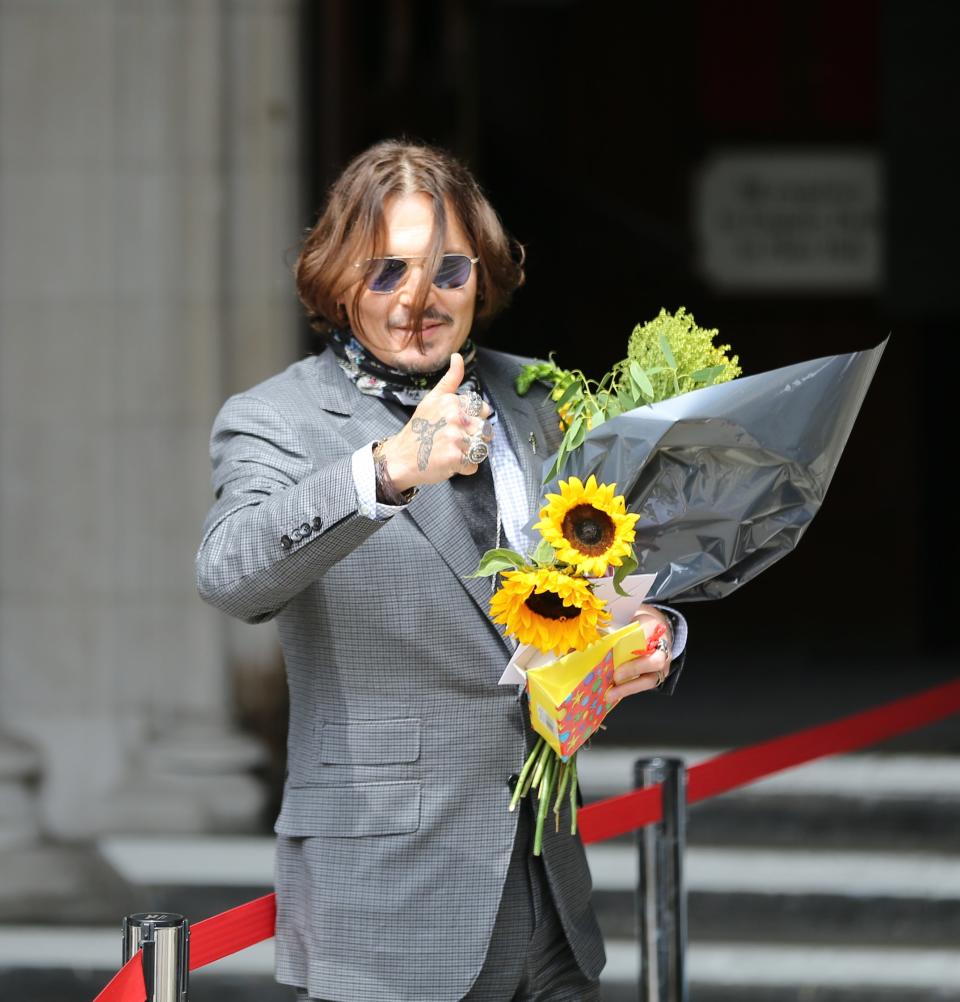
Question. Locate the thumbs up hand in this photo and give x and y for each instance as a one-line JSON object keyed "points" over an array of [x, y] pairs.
{"points": [[432, 445], [450, 381]]}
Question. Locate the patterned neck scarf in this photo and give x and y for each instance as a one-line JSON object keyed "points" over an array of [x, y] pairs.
{"points": [[375, 378]]}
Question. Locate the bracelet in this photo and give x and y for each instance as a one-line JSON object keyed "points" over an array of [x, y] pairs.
{"points": [[671, 628], [387, 492]]}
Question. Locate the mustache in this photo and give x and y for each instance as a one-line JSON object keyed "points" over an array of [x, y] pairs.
{"points": [[430, 314]]}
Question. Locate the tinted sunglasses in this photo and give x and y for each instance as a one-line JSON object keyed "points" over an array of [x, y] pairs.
{"points": [[386, 274]]}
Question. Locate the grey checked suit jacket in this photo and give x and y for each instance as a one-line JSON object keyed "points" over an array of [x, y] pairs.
{"points": [[394, 837]]}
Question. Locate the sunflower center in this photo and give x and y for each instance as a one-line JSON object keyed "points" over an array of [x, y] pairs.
{"points": [[550, 605], [589, 529]]}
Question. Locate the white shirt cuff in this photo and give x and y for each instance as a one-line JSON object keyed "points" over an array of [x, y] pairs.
{"points": [[679, 624]]}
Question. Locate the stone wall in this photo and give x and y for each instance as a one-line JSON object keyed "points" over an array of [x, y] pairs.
{"points": [[148, 208]]}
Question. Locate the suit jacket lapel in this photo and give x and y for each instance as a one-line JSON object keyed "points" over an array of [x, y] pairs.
{"points": [[435, 509], [530, 422]]}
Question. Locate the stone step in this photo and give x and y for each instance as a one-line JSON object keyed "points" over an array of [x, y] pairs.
{"points": [[764, 895], [776, 918], [870, 800], [793, 871], [79, 984], [72, 964], [822, 896], [798, 972], [791, 820], [246, 863]]}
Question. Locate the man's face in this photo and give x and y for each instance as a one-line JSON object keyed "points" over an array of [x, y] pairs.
{"points": [[448, 313]]}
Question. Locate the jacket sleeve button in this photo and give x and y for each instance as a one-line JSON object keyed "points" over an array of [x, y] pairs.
{"points": [[306, 529], [512, 780], [286, 542], [317, 523]]}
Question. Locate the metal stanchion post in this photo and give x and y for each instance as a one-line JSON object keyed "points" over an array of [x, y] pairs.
{"points": [[164, 938], [662, 898]]}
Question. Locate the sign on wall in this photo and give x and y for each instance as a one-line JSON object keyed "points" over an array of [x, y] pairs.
{"points": [[790, 221]]}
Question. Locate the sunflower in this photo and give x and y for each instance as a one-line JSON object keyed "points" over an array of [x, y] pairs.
{"points": [[548, 609], [587, 526]]}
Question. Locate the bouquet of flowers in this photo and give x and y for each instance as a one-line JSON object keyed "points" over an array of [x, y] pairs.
{"points": [[549, 599], [719, 477], [555, 602]]}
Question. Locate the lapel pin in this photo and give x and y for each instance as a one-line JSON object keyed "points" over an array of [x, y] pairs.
{"points": [[533, 442]]}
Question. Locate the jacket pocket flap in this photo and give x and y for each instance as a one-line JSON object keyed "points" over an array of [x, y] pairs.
{"points": [[370, 742], [350, 811]]}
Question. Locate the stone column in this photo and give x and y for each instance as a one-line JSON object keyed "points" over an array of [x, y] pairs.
{"points": [[148, 194]]}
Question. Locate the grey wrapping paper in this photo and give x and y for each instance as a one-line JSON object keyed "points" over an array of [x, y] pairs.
{"points": [[727, 478]]}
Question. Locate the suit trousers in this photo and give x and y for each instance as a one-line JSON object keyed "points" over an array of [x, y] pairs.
{"points": [[529, 958]]}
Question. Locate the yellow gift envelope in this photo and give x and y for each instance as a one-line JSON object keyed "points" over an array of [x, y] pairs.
{"points": [[568, 695]]}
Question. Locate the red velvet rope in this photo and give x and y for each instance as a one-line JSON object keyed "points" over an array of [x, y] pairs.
{"points": [[245, 925], [232, 931], [619, 815], [127, 985]]}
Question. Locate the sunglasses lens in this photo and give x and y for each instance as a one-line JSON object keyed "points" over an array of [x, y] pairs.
{"points": [[454, 271], [385, 273]]}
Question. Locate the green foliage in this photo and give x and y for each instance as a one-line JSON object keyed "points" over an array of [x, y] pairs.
{"points": [[628, 566], [544, 555], [497, 561], [529, 374], [667, 356]]}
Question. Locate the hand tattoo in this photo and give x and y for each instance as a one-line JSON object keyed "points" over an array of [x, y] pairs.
{"points": [[425, 432]]}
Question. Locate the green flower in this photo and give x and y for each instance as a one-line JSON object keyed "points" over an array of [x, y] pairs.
{"points": [[692, 360]]}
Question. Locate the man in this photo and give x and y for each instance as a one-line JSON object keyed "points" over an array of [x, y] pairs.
{"points": [[354, 496]]}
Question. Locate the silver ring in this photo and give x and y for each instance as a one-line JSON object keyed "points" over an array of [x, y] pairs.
{"points": [[478, 450], [663, 646], [471, 403]]}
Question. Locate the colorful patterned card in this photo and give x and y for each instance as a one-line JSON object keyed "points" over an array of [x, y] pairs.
{"points": [[568, 696]]}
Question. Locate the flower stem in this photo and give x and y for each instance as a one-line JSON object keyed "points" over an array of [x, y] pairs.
{"points": [[562, 781], [573, 796], [541, 765], [544, 794], [519, 789], [528, 782]]}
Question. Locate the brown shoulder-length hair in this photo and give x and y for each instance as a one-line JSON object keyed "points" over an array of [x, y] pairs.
{"points": [[351, 229]]}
